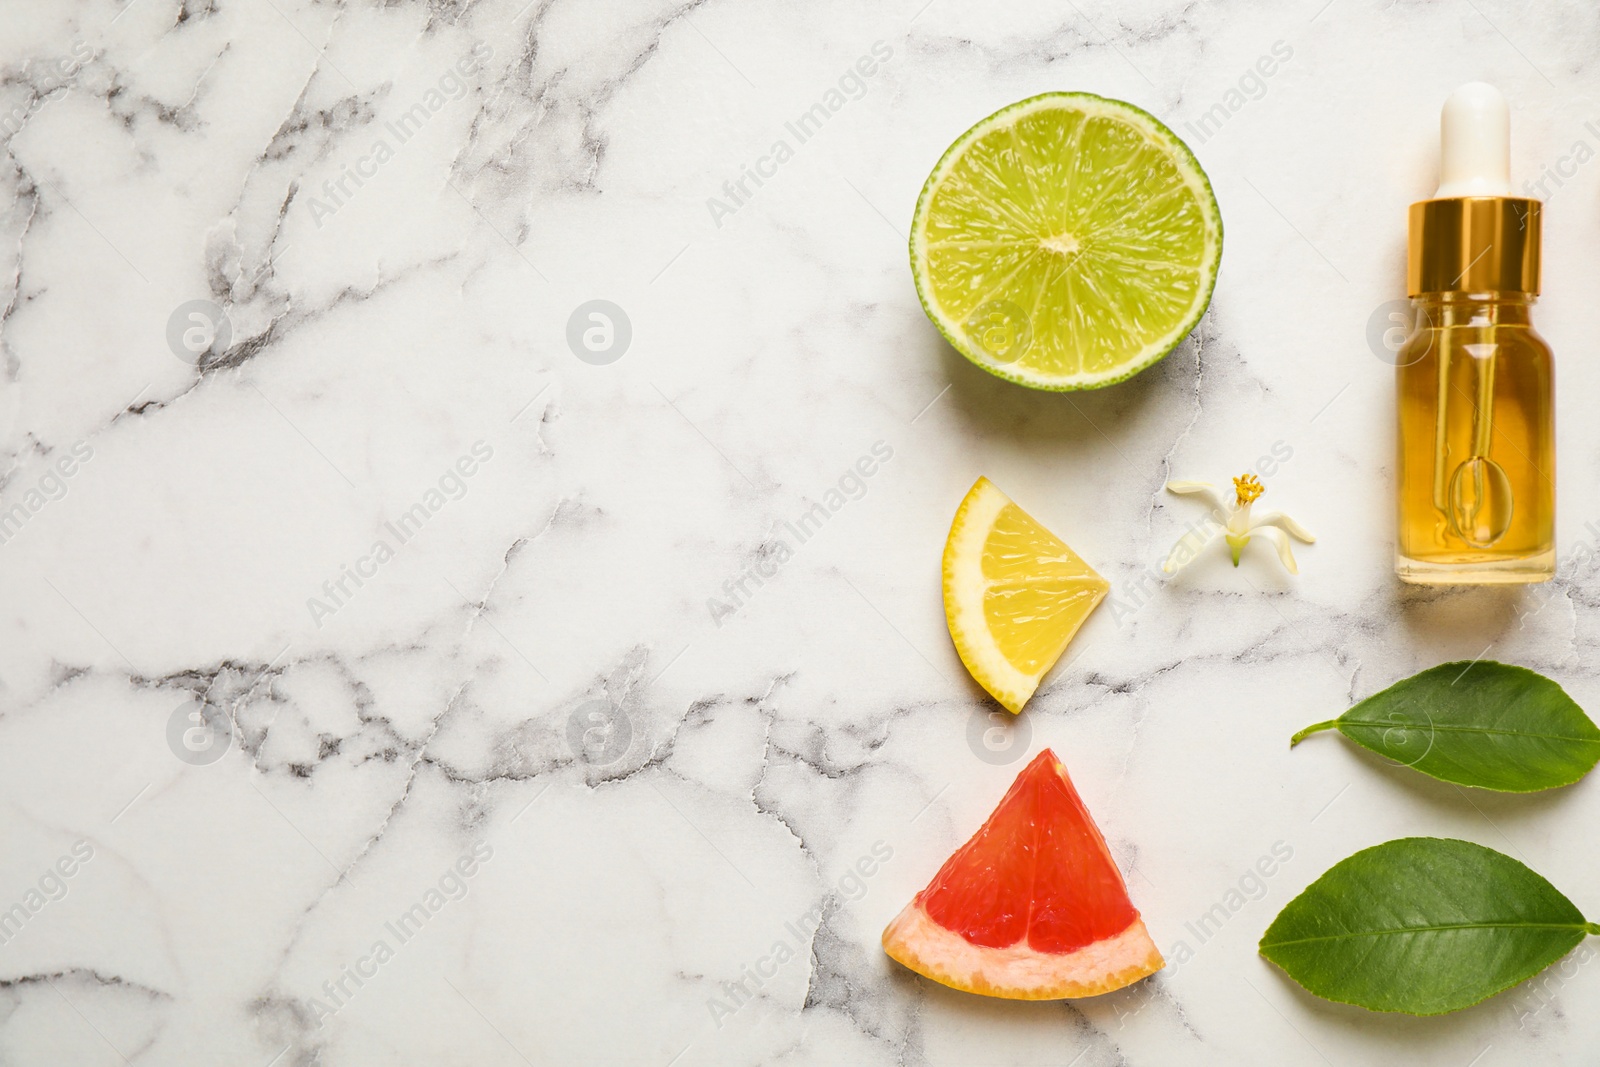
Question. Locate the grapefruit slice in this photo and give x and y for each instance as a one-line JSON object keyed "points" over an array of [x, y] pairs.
{"points": [[1014, 594], [1032, 908]]}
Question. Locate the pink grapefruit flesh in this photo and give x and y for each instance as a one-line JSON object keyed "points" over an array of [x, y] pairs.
{"points": [[1032, 907]]}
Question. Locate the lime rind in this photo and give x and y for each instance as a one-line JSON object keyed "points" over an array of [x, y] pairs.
{"points": [[1090, 311]]}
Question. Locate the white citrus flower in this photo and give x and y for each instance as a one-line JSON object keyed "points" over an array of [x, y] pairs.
{"points": [[1234, 523]]}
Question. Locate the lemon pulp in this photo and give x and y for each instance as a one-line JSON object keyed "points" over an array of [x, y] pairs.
{"points": [[1014, 594]]}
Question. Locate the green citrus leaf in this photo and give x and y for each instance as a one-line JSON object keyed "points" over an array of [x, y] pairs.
{"points": [[1482, 724], [1423, 925]]}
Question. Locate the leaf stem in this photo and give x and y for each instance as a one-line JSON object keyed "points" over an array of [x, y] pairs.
{"points": [[1309, 730], [1592, 928]]}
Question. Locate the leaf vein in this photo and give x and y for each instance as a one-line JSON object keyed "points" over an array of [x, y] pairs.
{"points": [[1445, 728], [1429, 929]]}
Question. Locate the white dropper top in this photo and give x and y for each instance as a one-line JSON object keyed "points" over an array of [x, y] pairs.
{"points": [[1475, 143]]}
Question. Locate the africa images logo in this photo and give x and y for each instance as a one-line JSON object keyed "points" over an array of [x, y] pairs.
{"points": [[851, 85], [199, 735]]}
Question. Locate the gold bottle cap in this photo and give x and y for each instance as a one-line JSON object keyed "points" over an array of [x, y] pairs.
{"points": [[1474, 244]]}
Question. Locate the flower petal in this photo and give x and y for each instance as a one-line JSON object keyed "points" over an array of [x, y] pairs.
{"points": [[1206, 491], [1191, 545], [1283, 522], [1280, 541]]}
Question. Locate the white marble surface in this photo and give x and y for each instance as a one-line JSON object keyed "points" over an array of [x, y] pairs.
{"points": [[162, 152]]}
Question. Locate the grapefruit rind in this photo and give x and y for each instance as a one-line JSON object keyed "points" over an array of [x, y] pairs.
{"points": [[965, 589], [1019, 972]]}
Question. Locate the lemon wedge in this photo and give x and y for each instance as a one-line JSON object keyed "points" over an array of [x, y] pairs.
{"points": [[1014, 594]]}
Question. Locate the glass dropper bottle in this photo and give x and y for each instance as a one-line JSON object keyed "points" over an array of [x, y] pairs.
{"points": [[1476, 383]]}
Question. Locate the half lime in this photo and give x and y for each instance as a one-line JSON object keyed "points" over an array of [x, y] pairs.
{"points": [[1066, 242]]}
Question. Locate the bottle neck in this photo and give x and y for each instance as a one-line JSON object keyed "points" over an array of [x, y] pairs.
{"points": [[1477, 309]]}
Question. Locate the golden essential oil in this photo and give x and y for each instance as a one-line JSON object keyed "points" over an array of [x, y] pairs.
{"points": [[1475, 383]]}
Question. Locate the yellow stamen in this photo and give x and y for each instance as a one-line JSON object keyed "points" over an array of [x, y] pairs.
{"points": [[1246, 488]]}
